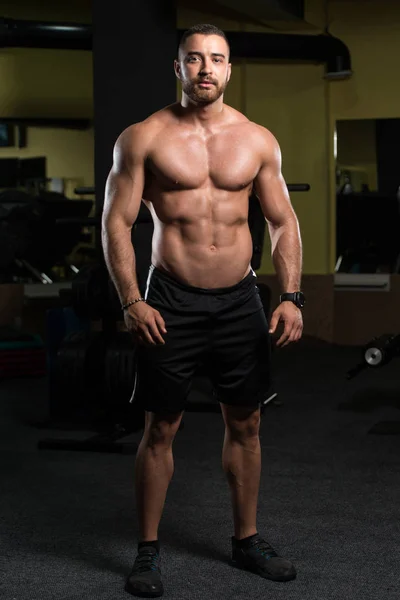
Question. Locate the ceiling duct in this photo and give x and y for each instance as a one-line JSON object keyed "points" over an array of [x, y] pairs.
{"points": [[290, 47]]}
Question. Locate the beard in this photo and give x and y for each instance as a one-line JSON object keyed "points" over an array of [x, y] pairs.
{"points": [[203, 95]]}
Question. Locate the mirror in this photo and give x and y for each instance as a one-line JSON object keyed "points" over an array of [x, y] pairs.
{"points": [[367, 196]]}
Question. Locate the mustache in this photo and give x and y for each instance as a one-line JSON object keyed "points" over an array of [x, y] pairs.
{"points": [[206, 81]]}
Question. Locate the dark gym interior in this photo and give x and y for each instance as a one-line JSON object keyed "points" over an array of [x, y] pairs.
{"points": [[319, 74]]}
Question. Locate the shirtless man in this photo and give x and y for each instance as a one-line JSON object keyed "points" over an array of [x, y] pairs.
{"points": [[194, 164]]}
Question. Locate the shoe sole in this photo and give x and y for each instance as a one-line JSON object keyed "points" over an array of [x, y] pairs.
{"points": [[141, 594], [262, 573]]}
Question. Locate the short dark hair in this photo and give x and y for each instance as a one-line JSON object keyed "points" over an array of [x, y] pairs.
{"points": [[203, 29]]}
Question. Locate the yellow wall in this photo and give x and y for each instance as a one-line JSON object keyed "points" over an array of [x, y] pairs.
{"points": [[50, 83], [46, 83], [371, 30]]}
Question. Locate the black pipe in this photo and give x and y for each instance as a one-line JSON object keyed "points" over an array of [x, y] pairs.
{"points": [[303, 48], [298, 187], [36, 34]]}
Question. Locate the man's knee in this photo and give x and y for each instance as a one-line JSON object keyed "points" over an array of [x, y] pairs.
{"points": [[160, 429], [242, 423]]}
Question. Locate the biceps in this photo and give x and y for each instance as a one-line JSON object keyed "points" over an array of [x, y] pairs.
{"points": [[273, 195], [123, 195]]}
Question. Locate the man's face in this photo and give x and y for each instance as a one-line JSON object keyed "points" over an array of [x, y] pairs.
{"points": [[204, 68]]}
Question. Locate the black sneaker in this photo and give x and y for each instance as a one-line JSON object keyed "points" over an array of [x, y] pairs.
{"points": [[145, 578], [259, 557]]}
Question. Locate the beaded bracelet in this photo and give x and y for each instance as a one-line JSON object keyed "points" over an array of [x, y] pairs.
{"points": [[125, 306]]}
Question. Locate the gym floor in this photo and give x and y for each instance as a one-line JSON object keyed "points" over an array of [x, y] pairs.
{"points": [[329, 496]]}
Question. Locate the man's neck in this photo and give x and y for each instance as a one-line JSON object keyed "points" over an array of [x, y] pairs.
{"points": [[202, 112]]}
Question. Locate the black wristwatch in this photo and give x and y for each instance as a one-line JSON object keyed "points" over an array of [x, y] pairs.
{"points": [[296, 297]]}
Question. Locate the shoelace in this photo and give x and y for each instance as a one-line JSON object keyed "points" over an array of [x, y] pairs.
{"points": [[265, 549], [146, 562]]}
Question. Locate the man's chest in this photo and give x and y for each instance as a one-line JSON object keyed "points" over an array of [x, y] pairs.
{"points": [[193, 161]]}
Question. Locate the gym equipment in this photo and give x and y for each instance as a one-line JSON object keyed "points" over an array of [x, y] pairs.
{"points": [[120, 369], [367, 234], [85, 392], [84, 191], [298, 187], [29, 235], [78, 374], [377, 353], [21, 354], [9, 172]]}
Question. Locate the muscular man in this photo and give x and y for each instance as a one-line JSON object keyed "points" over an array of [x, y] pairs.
{"points": [[194, 164]]}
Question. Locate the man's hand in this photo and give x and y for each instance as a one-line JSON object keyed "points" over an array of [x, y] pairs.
{"points": [[291, 316], [145, 324]]}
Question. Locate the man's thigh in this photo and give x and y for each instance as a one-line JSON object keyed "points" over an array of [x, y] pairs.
{"points": [[164, 373], [240, 360]]}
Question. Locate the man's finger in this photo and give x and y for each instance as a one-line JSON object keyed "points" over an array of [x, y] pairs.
{"points": [[274, 322], [292, 337], [290, 334], [284, 337], [161, 323], [287, 341], [299, 333], [145, 334], [295, 334], [154, 332]]}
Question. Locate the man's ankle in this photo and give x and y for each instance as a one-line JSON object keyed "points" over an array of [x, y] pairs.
{"points": [[245, 534], [155, 543]]}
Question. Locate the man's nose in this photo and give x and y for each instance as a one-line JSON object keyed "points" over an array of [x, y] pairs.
{"points": [[206, 67]]}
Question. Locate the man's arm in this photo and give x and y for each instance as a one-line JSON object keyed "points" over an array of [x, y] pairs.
{"points": [[123, 195], [283, 226]]}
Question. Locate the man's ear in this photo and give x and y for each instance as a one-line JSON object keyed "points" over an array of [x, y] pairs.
{"points": [[229, 71], [177, 68]]}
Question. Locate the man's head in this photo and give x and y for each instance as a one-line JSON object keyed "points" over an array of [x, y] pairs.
{"points": [[203, 63]]}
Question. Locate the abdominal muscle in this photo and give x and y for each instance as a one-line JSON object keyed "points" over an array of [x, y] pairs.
{"points": [[201, 250]]}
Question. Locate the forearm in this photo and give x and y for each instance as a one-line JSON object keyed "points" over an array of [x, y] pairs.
{"points": [[119, 256], [287, 254]]}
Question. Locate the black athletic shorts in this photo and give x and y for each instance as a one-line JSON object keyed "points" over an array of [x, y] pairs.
{"points": [[225, 330]]}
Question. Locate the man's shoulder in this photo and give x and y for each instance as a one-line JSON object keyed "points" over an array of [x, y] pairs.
{"points": [[262, 133], [137, 137], [263, 140], [143, 132], [253, 129]]}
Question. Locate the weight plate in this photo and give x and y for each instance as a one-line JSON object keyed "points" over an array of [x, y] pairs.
{"points": [[373, 357]]}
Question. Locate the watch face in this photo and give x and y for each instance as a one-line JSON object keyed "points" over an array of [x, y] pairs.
{"points": [[300, 300]]}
